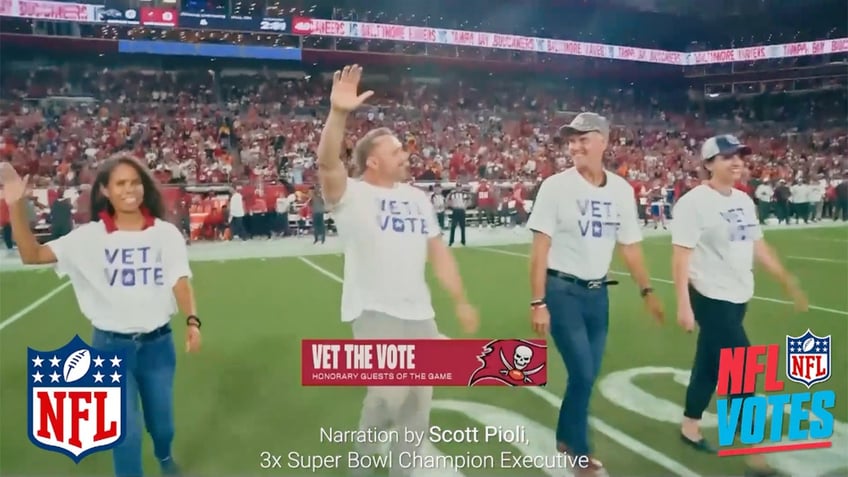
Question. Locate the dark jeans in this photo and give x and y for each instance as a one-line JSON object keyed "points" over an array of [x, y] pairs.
{"points": [[457, 219], [151, 366], [764, 211], [841, 210], [7, 236], [440, 217], [782, 210], [720, 326], [237, 228], [319, 230], [579, 325], [281, 226]]}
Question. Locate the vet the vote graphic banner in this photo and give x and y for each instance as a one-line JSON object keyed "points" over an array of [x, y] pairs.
{"points": [[434, 362]]}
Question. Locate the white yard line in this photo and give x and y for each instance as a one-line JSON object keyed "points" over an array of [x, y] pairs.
{"points": [[616, 435], [662, 280], [32, 306], [819, 259], [824, 239]]}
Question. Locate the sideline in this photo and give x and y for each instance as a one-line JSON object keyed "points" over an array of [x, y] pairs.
{"points": [[663, 280], [32, 306], [614, 434], [302, 246]]}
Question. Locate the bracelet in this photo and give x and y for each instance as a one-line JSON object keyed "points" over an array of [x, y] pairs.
{"points": [[646, 291], [193, 320], [538, 304]]}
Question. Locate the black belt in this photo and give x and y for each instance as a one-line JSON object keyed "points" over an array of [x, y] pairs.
{"points": [[590, 284], [150, 335]]}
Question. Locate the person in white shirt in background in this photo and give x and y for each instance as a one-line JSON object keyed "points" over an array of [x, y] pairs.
{"points": [[716, 239], [644, 207], [578, 217], [282, 206], [146, 281], [236, 207], [798, 201], [438, 200], [389, 232], [815, 190], [764, 195]]}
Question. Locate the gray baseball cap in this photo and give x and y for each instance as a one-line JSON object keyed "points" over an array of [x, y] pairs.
{"points": [[586, 122], [723, 145]]}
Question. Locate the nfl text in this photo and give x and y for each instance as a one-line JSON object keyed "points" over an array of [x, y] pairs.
{"points": [[77, 399]]}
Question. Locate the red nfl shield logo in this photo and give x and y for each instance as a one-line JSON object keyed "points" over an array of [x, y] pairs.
{"points": [[808, 358], [77, 396]]}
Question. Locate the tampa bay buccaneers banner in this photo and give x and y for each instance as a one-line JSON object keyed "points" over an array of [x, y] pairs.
{"points": [[439, 362]]}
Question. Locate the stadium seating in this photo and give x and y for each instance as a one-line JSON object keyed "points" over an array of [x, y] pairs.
{"points": [[204, 130]]}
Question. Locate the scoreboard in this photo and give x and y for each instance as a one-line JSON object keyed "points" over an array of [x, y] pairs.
{"points": [[230, 15]]}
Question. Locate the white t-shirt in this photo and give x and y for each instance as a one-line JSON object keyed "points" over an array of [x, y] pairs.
{"points": [[799, 194], [584, 222], [283, 205], [721, 229], [236, 205], [124, 280], [764, 193], [815, 192], [385, 233]]}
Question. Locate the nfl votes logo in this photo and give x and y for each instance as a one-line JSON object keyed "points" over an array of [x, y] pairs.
{"points": [[76, 399], [808, 358]]}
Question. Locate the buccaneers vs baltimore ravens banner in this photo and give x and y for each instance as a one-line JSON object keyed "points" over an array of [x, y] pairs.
{"points": [[440, 362]]}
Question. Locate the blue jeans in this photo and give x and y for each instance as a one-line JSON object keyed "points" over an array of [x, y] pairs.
{"points": [[151, 366], [579, 325]]}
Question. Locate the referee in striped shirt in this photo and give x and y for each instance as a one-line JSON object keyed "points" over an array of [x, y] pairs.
{"points": [[458, 203]]}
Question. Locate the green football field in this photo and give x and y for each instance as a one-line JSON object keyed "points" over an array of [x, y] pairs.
{"points": [[241, 396]]}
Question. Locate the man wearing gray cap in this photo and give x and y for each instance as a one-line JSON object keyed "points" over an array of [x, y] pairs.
{"points": [[716, 237], [578, 217]]}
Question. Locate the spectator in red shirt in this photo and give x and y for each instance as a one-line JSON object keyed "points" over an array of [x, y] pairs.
{"points": [[486, 203], [259, 216]]}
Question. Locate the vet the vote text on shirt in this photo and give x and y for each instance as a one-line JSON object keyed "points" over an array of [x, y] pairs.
{"points": [[598, 218], [401, 216], [133, 266], [123, 280], [739, 224]]}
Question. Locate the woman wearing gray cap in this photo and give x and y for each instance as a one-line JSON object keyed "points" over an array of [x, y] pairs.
{"points": [[716, 238]]}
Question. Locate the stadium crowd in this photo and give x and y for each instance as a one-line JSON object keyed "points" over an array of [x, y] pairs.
{"points": [[201, 131]]}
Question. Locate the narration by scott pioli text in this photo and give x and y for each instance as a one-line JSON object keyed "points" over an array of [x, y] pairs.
{"points": [[373, 449]]}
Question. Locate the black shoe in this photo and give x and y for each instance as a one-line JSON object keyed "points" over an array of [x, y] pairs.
{"points": [[751, 472], [169, 467], [702, 445]]}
